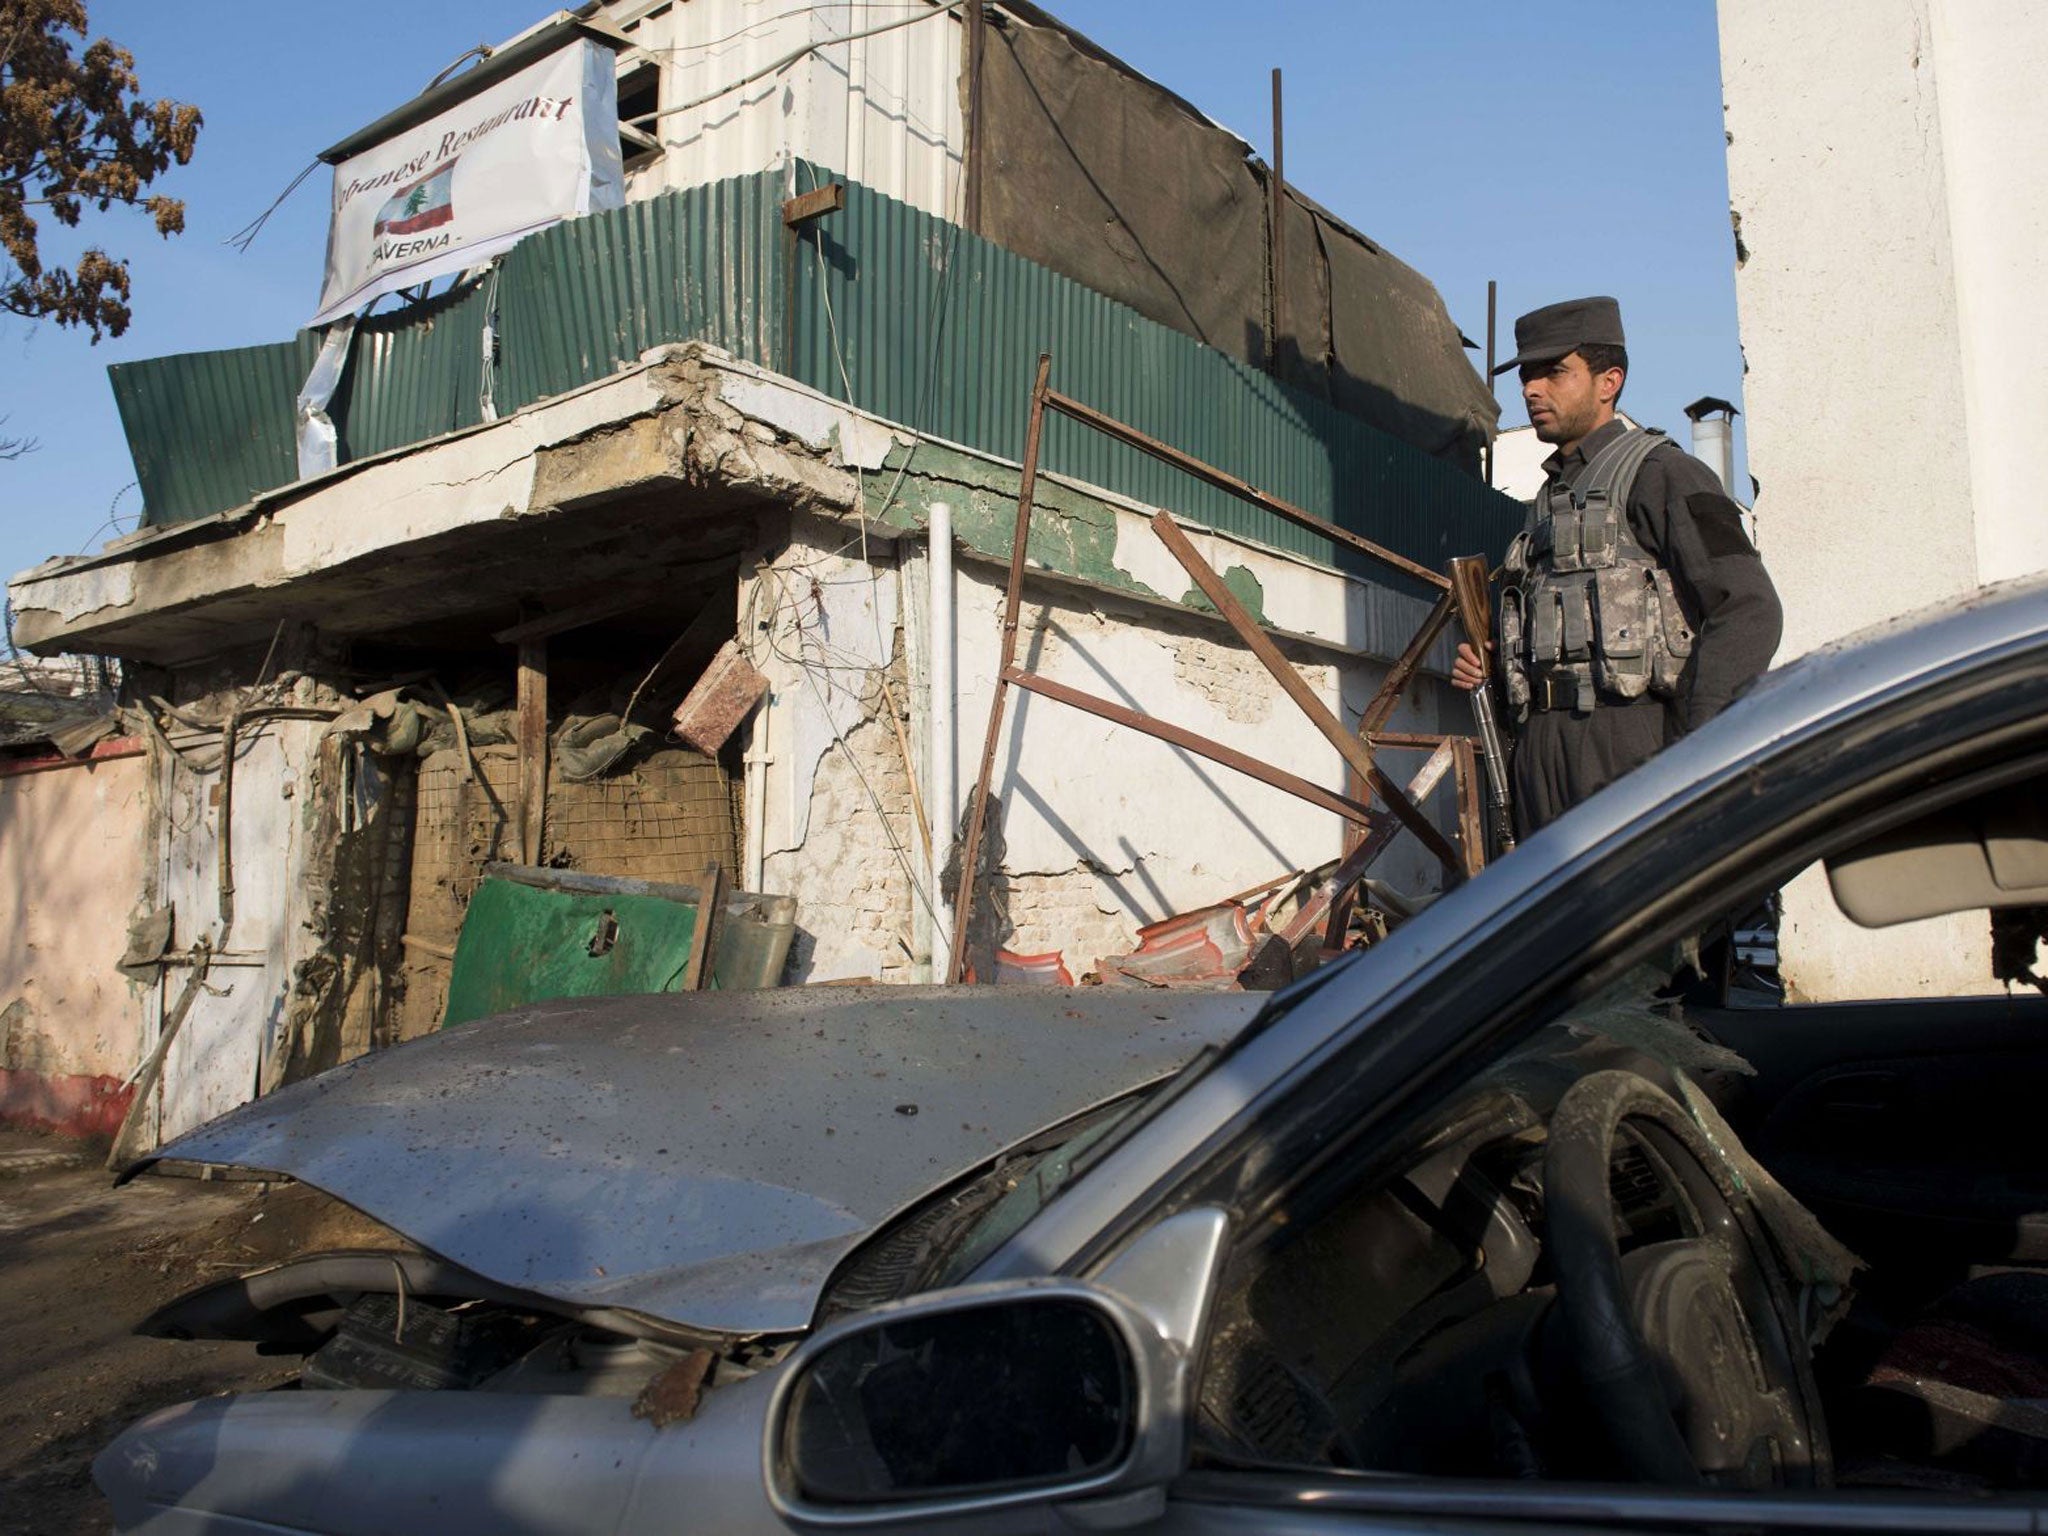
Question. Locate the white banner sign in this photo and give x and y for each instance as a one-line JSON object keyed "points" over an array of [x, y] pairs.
{"points": [[537, 147]]}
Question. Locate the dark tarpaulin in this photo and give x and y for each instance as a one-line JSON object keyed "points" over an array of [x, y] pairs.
{"points": [[1397, 359], [1122, 188], [1109, 178]]}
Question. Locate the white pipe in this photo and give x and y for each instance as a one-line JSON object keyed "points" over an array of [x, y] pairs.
{"points": [[941, 807], [757, 760]]}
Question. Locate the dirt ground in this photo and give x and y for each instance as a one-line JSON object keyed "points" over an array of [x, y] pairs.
{"points": [[80, 1264]]}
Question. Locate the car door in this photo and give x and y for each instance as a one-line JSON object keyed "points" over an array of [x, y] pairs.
{"points": [[1346, 1066]]}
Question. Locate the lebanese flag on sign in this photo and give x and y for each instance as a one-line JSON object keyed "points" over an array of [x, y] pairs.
{"points": [[426, 203]]}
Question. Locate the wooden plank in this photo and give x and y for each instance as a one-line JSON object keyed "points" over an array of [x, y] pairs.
{"points": [[816, 203], [1471, 825], [1396, 681], [1429, 740], [711, 897], [1431, 773], [1354, 751], [533, 747]]}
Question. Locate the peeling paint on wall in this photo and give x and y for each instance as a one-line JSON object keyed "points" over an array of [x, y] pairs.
{"points": [[1241, 584], [1071, 531], [853, 894], [1078, 911]]}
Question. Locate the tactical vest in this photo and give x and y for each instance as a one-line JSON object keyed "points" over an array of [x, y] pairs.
{"points": [[1586, 611]]}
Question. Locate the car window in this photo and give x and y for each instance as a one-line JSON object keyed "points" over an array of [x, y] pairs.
{"points": [[1413, 1313]]}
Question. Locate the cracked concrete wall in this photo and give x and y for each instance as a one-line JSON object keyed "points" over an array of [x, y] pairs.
{"points": [[823, 625], [1888, 285], [71, 876], [1103, 829]]}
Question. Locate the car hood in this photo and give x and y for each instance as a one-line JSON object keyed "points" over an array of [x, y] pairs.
{"points": [[703, 1158]]}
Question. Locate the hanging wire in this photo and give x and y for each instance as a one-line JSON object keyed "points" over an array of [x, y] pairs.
{"points": [[113, 520], [811, 670], [792, 57], [769, 21], [245, 237]]}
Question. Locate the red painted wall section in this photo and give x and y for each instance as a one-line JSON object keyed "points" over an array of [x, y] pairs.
{"points": [[70, 1104]]}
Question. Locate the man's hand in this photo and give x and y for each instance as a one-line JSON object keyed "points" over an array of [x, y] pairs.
{"points": [[1468, 671]]}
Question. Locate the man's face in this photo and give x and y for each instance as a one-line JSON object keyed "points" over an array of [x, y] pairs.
{"points": [[1566, 399]]}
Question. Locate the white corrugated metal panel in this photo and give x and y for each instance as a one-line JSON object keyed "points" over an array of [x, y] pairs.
{"points": [[883, 110]]}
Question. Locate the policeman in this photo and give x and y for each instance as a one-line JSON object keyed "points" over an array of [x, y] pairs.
{"points": [[1634, 607]]}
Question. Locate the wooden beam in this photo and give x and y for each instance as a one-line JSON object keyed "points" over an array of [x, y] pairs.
{"points": [[1351, 810], [1354, 751], [1399, 674], [576, 615], [1471, 824], [710, 898], [1429, 740], [814, 204], [533, 747]]}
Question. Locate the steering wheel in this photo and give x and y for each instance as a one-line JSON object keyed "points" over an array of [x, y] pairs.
{"points": [[1690, 1350]]}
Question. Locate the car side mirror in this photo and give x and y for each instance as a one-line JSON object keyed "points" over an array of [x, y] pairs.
{"points": [[974, 1400]]}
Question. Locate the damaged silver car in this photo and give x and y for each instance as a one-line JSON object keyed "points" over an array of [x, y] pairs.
{"points": [[1477, 1228]]}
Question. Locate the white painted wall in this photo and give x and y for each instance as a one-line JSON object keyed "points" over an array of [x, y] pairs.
{"points": [[1884, 165], [1105, 829], [883, 110], [1992, 57], [72, 841]]}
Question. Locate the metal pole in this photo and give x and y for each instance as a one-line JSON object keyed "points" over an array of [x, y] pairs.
{"points": [[977, 41], [943, 730], [1492, 313], [1355, 811], [1208, 474], [1013, 598], [1278, 234]]}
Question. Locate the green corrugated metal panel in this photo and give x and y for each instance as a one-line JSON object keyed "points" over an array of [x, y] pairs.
{"points": [[954, 357], [413, 374], [208, 430], [581, 299], [903, 313]]}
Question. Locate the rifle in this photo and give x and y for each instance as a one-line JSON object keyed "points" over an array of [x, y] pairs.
{"points": [[1475, 614]]}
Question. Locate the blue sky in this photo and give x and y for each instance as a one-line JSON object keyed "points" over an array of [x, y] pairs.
{"points": [[1564, 149]]}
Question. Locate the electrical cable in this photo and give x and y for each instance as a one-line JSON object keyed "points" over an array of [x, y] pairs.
{"points": [[947, 7], [810, 671], [245, 237], [769, 21]]}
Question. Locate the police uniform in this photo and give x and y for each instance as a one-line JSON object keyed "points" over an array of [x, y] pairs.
{"points": [[1635, 608]]}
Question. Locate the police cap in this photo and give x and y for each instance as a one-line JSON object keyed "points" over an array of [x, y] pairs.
{"points": [[1544, 335]]}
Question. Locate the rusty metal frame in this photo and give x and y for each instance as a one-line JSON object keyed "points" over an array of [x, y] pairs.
{"points": [[1374, 827]]}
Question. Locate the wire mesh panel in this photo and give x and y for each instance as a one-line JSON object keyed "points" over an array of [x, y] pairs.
{"points": [[663, 818]]}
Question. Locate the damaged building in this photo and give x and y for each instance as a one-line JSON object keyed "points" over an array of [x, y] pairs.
{"points": [[658, 560]]}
